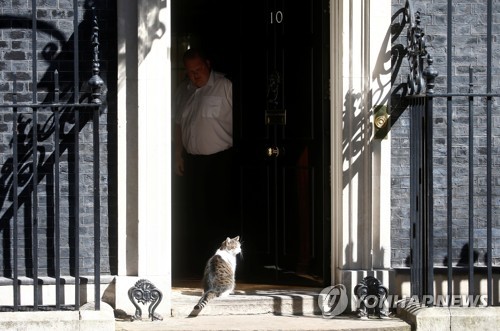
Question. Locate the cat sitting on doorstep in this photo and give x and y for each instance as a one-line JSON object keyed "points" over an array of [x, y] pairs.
{"points": [[218, 278]]}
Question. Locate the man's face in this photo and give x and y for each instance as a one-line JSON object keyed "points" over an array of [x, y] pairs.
{"points": [[198, 71]]}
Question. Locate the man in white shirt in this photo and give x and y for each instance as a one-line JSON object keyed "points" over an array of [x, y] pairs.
{"points": [[203, 155], [204, 120]]}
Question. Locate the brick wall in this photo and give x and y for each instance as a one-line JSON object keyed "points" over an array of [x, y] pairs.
{"points": [[469, 49], [55, 51]]}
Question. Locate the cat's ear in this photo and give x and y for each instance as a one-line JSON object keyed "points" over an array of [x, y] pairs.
{"points": [[228, 240], [237, 238]]}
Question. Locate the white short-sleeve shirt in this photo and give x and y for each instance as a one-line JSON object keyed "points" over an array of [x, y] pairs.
{"points": [[205, 115]]}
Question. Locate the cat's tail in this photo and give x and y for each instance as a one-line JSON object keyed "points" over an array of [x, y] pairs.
{"points": [[205, 298]]}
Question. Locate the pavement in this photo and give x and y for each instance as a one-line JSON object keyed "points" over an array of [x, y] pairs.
{"points": [[265, 322], [257, 307]]}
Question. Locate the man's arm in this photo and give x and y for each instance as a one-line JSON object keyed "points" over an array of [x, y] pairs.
{"points": [[178, 148]]}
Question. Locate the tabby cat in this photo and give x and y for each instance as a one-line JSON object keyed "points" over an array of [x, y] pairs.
{"points": [[218, 278]]}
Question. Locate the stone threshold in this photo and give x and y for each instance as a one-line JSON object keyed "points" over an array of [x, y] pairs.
{"points": [[450, 318]]}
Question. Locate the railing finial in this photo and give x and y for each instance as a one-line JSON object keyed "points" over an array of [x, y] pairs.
{"points": [[95, 81], [430, 74]]}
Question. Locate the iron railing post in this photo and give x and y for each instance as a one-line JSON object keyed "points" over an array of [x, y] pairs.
{"points": [[76, 100], [471, 186], [15, 198], [34, 216], [57, 210], [430, 75], [489, 225], [96, 84], [421, 140]]}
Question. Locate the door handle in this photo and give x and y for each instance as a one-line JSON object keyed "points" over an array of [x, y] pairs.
{"points": [[273, 151]]}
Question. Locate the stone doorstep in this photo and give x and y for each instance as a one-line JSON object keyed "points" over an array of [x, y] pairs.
{"points": [[278, 302], [258, 309], [451, 318], [83, 320]]}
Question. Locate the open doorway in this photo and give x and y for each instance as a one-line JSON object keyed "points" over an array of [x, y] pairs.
{"points": [[277, 55]]}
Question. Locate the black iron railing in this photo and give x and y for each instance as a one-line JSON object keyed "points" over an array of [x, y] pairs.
{"points": [[78, 105], [421, 99]]}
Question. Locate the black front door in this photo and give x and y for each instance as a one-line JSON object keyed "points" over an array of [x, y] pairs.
{"points": [[281, 133]]}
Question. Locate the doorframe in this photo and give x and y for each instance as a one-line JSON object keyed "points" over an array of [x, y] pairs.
{"points": [[336, 102], [361, 186], [338, 21]]}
